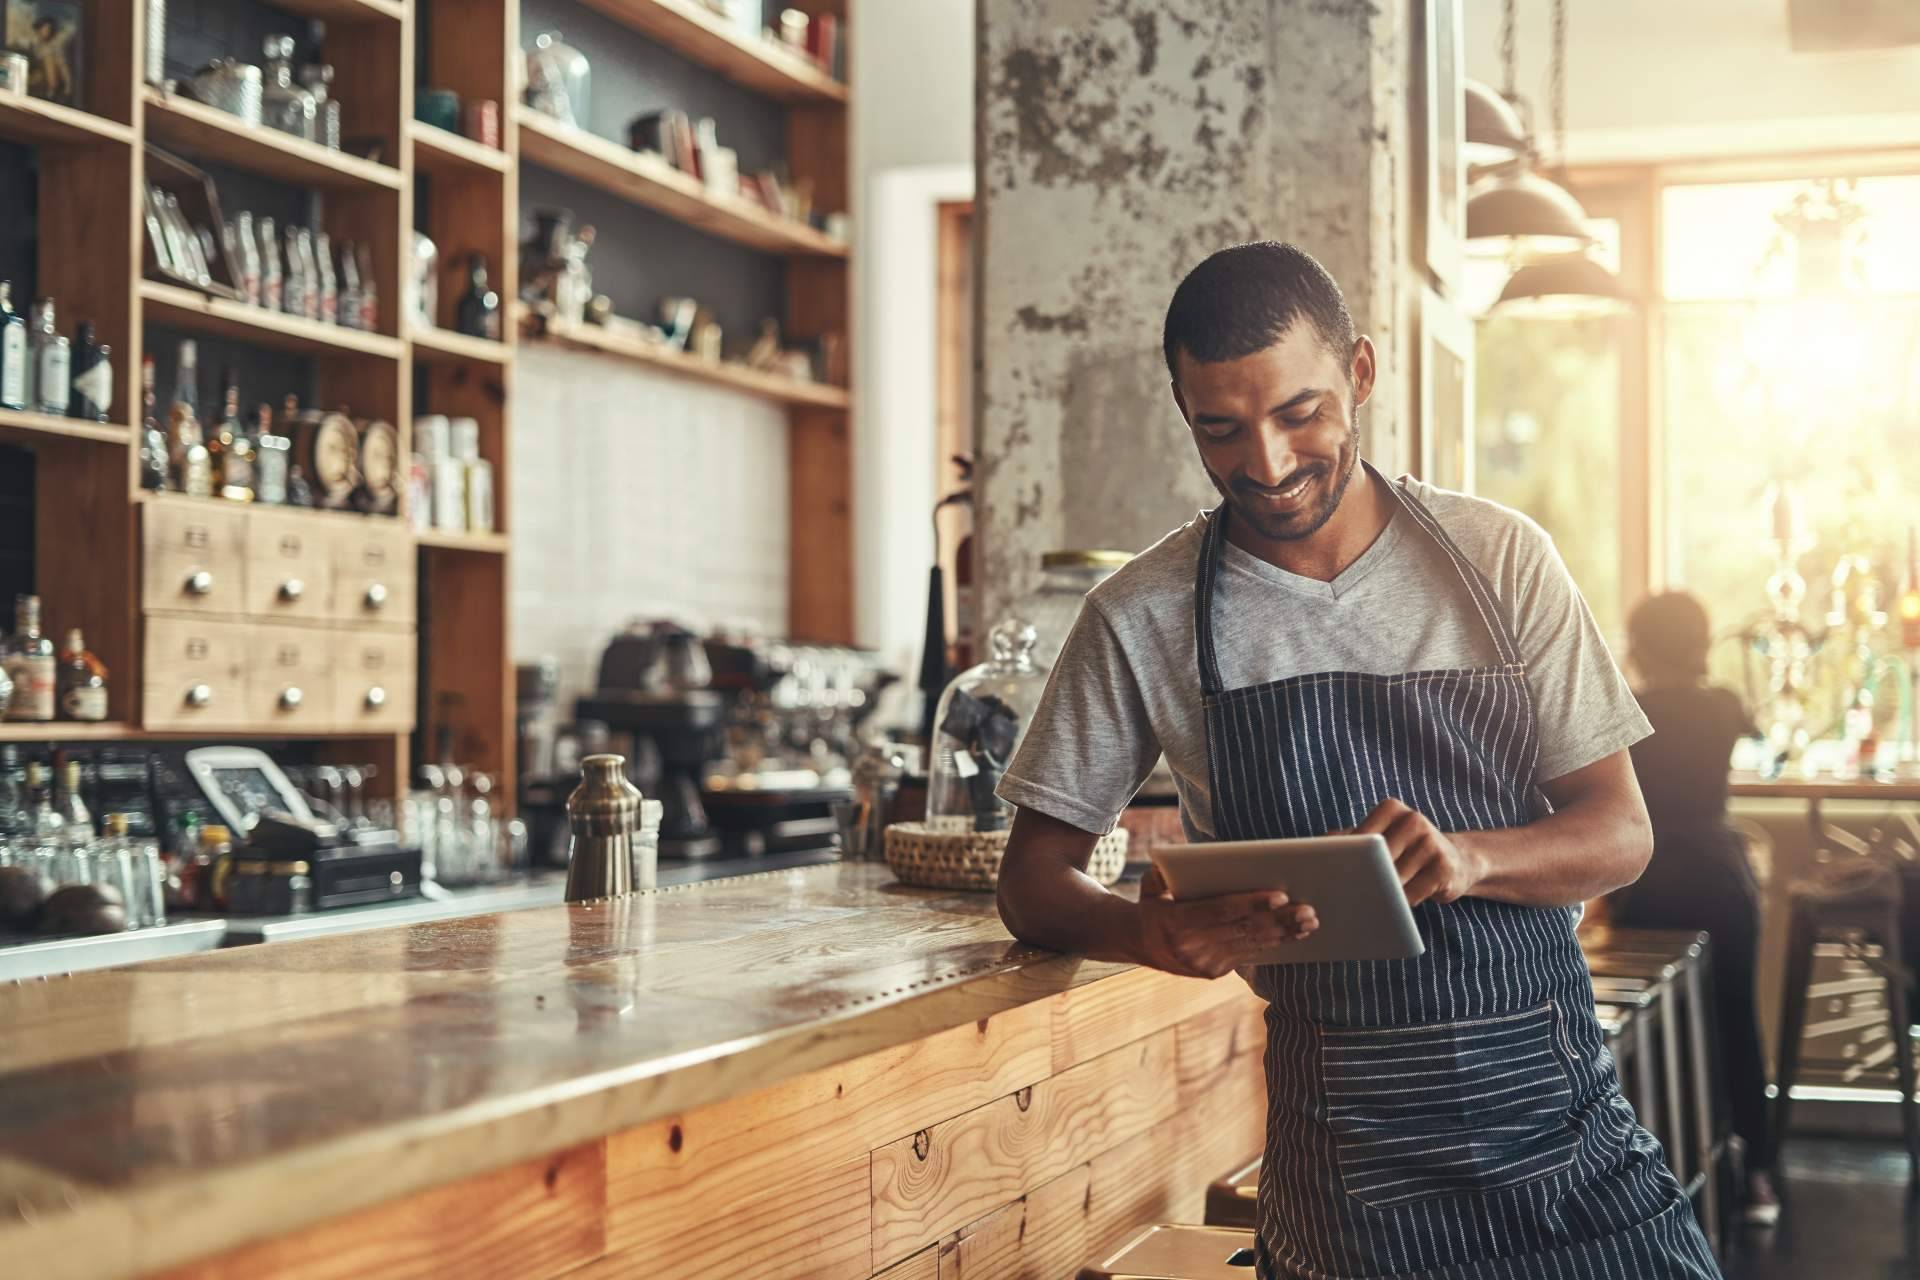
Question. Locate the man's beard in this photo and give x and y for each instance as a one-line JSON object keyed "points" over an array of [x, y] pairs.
{"points": [[1241, 495]]}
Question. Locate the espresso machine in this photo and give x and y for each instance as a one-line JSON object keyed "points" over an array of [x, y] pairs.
{"points": [[653, 689]]}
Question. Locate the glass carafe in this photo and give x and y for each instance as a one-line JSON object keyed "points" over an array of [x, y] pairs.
{"points": [[284, 104]]}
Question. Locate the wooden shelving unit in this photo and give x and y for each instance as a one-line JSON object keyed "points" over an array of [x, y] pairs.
{"points": [[491, 544], [24, 119], [18, 427], [701, 35], [648, 180], [188, 309], [768, 386], [444, 346], [347, 11], [177, 122]]}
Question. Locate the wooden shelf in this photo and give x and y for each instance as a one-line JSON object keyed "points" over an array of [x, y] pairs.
{"points": [[768, 386], [492, 544], [346, 10], [63, 731], [194, 126], [437, 151], [19, 427], [648, 180], [24, 119], [706, 38], [170, 498], [443, 346], [119, 731], [186, 309]]}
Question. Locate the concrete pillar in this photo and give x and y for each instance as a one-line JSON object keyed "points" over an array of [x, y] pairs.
{"points": [[1120, 142]]}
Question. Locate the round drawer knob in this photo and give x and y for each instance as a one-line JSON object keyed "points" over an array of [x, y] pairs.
{"points": [[292, 589], [291, 697], [376, 698], [200, 695], [200, 583], [376, 595]]}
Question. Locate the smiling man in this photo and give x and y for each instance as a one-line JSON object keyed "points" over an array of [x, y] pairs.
{"points": [[1325, 651]]}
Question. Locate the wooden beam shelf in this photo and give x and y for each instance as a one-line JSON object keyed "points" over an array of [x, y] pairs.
{"points": [[35, 120], [444, 346], [119, 731], [19, 427], [346, 10], [184, 308], [194, 126], [646, 179], [435, 150], [492, 544], [768, 386], [764, 66]]}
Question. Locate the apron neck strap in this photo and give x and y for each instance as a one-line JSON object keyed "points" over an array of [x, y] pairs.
{"points": [[1212, 549]]}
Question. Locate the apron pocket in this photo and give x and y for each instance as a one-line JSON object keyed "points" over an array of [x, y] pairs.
{"points": [[1450, 1108]]}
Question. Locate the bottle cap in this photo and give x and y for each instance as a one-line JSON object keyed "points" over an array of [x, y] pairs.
{"points": [[117, 824], [76, 643]]}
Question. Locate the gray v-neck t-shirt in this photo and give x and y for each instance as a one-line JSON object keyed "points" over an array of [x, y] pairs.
{"points": [[1126, 687]]}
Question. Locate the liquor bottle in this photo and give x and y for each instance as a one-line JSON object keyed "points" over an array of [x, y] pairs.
{"points": [[293, 290], [154, 454], [246, 255], [231, 448], [272, 279], [369, 291], [272, 452], [42, 825], [349, 286], [91, 394], [52, 357], [329, 290], [302, 244], [29, 661], [13, 351], [192, 467], [479, 312], [284, 105], [75, 817], [13, 793], [82, 681]]}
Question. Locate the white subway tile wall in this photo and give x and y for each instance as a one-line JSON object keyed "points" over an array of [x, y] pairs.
{"points": [[637, 495]]}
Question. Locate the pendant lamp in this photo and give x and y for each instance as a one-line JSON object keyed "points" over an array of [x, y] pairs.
{"points": [[1569, 285], [1515, 212], [1495, 133]]}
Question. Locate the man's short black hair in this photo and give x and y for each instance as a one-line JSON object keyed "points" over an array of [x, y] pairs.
{"points": [[1244, 299]]}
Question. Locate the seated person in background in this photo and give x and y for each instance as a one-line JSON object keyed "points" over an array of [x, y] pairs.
{"points": [[1699, 877]]}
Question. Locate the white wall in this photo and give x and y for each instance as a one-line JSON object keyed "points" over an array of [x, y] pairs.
{"points": [[1653, 79], [912, 147]]}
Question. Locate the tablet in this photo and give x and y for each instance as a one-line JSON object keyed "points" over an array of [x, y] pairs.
{"points": [[1349, 881]]}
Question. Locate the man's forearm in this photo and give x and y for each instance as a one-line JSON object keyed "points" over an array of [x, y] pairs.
{"points": [[1066, 910], [1581, 852]]}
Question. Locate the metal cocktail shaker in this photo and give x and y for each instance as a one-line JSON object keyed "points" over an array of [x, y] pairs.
{"points": [[604, 813]]}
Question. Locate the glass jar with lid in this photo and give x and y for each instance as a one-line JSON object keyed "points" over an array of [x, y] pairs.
{"points": [[979, 723], [559, 80], [1067, 576]]}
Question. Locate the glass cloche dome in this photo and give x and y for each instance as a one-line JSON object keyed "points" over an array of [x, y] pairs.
{"points": [[980, 720]]}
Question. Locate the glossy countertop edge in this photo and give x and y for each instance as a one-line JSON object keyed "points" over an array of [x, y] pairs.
{"points": [[147, 1227]]}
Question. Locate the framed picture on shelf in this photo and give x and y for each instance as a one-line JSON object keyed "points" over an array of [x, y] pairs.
{"points": [[1446, 204], [51, 33], [1446, 394]]}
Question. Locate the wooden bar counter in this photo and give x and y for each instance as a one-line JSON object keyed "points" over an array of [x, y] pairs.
{"points": [[816, 1072]]}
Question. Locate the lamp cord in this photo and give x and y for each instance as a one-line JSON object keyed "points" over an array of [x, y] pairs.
{"points": [[1558, 75], [1509, 56]]}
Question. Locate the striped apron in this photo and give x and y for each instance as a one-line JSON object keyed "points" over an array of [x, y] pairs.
{"points": [[1457, 1115]]}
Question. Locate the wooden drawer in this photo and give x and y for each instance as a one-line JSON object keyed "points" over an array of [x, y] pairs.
{"points": [[192, 559], [373, 572], [290, 678], [195, 674], [373, 680], [289, 566]]}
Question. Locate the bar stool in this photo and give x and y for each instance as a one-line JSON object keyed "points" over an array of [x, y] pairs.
{"points": [[1234, 1201], [1863, 908], [1168, 1252]]}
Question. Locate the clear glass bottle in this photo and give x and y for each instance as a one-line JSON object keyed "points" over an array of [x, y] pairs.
{"points": [[52, 357], [329, 292], [231, 447], [30, 664], [284, 104], [113, 864], [90, 393], [979, 723], [187, 440], [73, 810], [294, 286], [13, 793], [154, 454], [272, 452], [349, 304], [82, 681], [317, 78], [478, 314], [246, 257], [309, 272], [42, 830], [272, 278], [13, 351]]}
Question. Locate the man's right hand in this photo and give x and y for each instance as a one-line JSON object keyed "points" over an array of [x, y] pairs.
{"points": [[1208, 937]]}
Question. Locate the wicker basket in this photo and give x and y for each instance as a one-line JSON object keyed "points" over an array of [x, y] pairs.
{"points": [[971, 859]]}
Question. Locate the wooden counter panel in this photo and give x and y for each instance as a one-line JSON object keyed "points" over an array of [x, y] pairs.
{"points": [[1096, 1019], [529, 1221], [943, 1177], [924, 1265]]}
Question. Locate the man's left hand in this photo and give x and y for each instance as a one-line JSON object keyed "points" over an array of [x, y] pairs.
{"points": [[1431, 865]]}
